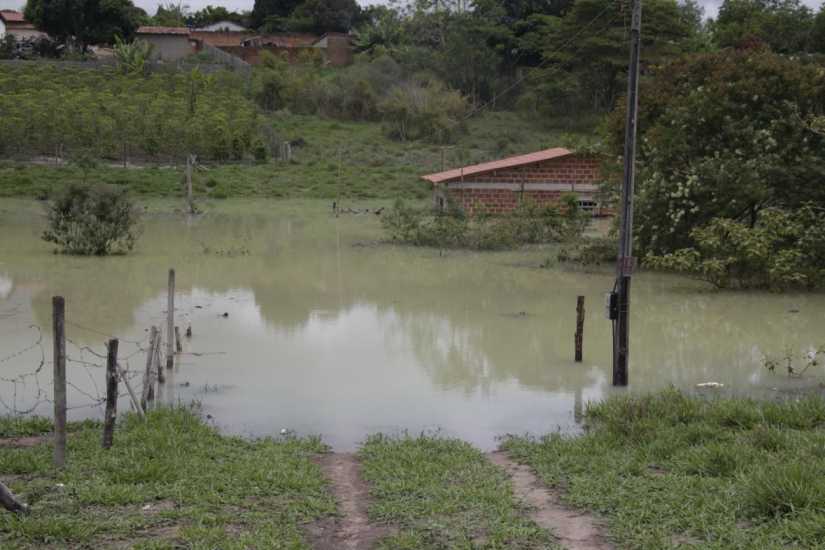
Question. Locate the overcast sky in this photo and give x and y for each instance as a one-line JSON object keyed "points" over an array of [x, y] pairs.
{"points": [[711, 6]]}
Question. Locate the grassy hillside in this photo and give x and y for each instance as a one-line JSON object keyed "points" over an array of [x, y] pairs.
{"points": [[337, 160]]}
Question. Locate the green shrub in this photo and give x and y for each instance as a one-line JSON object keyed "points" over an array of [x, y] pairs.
{"points": [[782, 249], [782, 489], [92, 220], [590, 251], [423, 110]]}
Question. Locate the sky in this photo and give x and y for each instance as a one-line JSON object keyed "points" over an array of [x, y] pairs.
{"points": [[711, 6]]}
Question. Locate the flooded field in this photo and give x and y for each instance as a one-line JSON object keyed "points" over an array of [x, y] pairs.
{"points": [[301, 321]]}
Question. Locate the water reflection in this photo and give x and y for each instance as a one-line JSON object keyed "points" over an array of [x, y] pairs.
{"points": [[324, 335]]}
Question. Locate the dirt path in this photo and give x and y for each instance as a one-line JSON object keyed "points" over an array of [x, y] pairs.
{"points": [[352, 530], [576, 530], [20, 442]]}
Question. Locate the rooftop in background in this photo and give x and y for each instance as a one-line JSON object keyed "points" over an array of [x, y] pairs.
{"points": [[509, 162], [163, 30], [12, 16]]}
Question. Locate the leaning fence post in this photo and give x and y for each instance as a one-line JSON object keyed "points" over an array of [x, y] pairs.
{"points": [[579, 327], [111, 393], [170, 321], [59, 330]]}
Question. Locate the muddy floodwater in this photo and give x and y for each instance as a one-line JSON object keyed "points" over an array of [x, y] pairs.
{"points": [[301, 321]]}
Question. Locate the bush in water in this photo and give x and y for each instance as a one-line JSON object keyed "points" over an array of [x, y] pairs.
{"points": [[92, 220], [529, 223]]}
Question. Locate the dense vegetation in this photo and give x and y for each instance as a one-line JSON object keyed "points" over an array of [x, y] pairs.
{"points": [[528, 223], [669, 470], [65, 112]]}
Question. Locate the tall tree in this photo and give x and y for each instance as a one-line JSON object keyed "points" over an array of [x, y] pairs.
{"points": [[84, 21], [784, 25], [320, 16], [271, 11]]}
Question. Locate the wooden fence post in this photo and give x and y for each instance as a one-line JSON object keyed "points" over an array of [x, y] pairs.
{"points": [[170, 321], [111, 394], [156, 360], [579, 327], [59, 381], [178, 343], [148, 391]]}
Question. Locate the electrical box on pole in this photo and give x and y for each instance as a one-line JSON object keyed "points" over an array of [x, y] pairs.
{"points": [[624, 264]]}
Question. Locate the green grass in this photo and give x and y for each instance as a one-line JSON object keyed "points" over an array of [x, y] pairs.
{"points": [[169, 482], [353, 160], [667, 469], [443, 493]]}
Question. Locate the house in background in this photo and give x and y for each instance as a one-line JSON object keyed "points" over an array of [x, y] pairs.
{"points": [[169, 43], [335, 49], [499, 186], [14, 23], [223, 26]]}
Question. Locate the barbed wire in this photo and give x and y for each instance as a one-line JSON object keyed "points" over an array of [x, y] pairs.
{"points": [[25, 393]]}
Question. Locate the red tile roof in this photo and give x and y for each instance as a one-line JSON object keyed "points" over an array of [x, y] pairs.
{"points": [[283, 40], [163, 30], [221, 38], [509, 162], [11, 16]]}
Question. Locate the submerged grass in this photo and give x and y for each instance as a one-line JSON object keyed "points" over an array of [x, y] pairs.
{"points": [[443, 493], [668, 470], [169, 482], [331, 159]]}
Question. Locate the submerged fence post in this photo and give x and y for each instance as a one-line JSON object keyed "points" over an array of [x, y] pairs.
{"points": [[148, 391], [111, 393], [178, 343], [579, 327], [59, 381], [170, 321]]}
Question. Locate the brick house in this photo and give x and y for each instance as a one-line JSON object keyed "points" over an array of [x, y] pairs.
{"points": [[334, 49], [542, 177], [14, 23], [169, 43]]}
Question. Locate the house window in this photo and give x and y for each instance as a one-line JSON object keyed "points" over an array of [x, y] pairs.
{"points": [[587, 205]]}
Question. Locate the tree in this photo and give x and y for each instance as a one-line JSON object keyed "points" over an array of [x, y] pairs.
{"points": [[724, 135], [590, 44], [784, 25], [213, 14], [320, 16], [84, 22], [170, 15], [271, 10]]}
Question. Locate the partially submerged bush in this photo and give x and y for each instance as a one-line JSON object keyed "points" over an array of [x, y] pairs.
{"points": [[590, 251], [782, 249], [92, 220], [528, 223]]}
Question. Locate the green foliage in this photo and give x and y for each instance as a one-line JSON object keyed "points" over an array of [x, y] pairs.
{"points": [[133, 57], [88, 220], [423, 110], [590, 251], [784, 25], [526, 224], [724, 135], [718, 472], [56, 111], [443, 493], [167, 482], [783, 249], [84, 21]]}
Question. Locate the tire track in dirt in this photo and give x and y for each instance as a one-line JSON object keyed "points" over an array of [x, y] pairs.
{"points": [[574, 529], [352, 529]]}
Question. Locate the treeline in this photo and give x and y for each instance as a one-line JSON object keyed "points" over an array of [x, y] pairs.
{"points": [[103, 113]]}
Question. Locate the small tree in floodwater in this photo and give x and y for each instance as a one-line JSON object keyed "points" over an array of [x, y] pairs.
{"points": [[92, 221]]}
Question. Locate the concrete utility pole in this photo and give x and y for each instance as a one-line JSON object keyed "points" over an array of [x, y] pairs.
{"points": [[624, 265]]}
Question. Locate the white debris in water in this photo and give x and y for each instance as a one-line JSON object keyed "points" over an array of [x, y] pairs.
{"points": [[710, 385]]}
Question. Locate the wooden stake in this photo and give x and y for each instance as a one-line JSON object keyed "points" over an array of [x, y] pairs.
{"points": [[579, 338], [132, 395], [156, 362], [170, 321], [148, 392], [189, 200], [59, 330], [178, 344], [111, 394]]}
